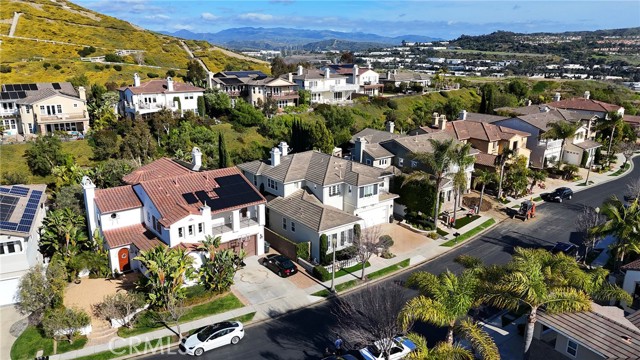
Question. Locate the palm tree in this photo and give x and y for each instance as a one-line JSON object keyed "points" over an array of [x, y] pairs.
{"points": [[442, 350], [536, 176], [462, 160], [210, 245], [501, 161], [484, 178], [536, 278], [445, 301], [438, 162], [624, 224], [561, 130]]}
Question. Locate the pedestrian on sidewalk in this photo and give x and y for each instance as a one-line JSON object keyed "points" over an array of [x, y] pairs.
{"points": [[338, 345]]}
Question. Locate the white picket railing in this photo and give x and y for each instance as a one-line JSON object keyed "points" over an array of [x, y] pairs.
{"points": [[341, 264]]}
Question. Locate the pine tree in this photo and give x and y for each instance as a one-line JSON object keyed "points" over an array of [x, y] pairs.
{"points": [[223, 156]]}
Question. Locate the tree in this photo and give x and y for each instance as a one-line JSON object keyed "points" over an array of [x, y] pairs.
{"points": [[218, 266], [366, 245], [105, 144], [304, 97], [246, 115], [561, 130], [587, 220], [44, 154], [71, 197], [462, 160], [280, 67], [138, 145], [633, 189], [487, 99], [323, 248], [533, 279], [442, 350], [518, 88], [501, 161], [517, 176], [484, 178], [628, 149], [347, 58], [269, 107], [217, 103], [14, 178], [40, 290], [445, 300], [452, 107], [196, 74], [63, 233], [438, 162], [623, 222], [223, 156], [201, 106], [321, 138], [64, 323], [120, 307], [110, 173], [371, 315], [536, 176]]}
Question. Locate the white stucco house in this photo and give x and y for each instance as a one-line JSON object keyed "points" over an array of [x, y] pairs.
{"points": [[314, 193], [631, 283], [154, 95], [20, 220], [366, 78], [325, 87], [166, 203]]}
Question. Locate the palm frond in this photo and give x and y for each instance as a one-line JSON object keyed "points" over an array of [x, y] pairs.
{"points": [[482, 344]]}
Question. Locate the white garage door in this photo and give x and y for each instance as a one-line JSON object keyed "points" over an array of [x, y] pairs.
{"points": [[375, 216], [9, 289]]}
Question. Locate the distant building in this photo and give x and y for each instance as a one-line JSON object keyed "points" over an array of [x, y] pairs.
{"points": [[255, 87], [325, 88], [367, 79]]}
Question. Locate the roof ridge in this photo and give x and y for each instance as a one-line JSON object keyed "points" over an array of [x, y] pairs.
{"points": [[637, 331]]}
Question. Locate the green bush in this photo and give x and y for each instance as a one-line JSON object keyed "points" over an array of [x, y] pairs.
{"points": [[117, 67], [46, 65], [113, 58], [171, 73], [324, 247], [387, 240], [302, 250], [152, 75], [392, 104], [320, 273], [5, 69], [345, 254], [57, 66]]}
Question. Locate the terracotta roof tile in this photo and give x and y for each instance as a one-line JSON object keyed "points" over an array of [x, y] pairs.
{"points": [[486, 159], [161, 168], [116, 199], [137, 235], [634, 265], [585, 104], [160, 87], [632, 119]]}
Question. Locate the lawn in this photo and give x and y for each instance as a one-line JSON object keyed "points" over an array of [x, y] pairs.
{"points": [[352, 269], [146, 321], [442, 232], [621, 170], [31, 340], [464, 221], [537, 198], [469, 234], [145, 347]]}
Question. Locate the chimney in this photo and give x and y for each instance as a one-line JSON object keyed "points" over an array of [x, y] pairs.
{"points": [[544, 108], [462, 115], [369, 66], [290, 77], [275, 157], [196, 158], [443, 122], [395, 71], [326, 73], [355, 74], [529, 102], [390, 126], [136, 79], [169, 83], [300, 70], [361, 144], [82, 92], [284, 148], [556, 97], [435, 118], [89, 190], [587, 94]]}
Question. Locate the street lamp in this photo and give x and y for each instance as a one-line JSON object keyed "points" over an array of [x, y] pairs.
{"points": [[334, 243], [613, 130]]}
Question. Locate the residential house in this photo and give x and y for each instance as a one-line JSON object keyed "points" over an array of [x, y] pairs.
{"points": [[43, 108], [600, 333], [21, 213], [586, 106], [316, 193], [167, 204], [633, 121], [325, 88], [395, 78], [255, 87], [154, 95], [631, 283], [367, 79]]}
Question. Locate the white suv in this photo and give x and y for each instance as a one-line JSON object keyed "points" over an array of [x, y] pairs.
{"points": [[212, 336]]}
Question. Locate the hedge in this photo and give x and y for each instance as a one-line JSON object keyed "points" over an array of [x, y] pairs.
{"points": [[321, 273], [302, 250]]}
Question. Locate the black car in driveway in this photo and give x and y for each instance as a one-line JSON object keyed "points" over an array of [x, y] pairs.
{"points": [[563, 193], [565, 248], [280, 265]]}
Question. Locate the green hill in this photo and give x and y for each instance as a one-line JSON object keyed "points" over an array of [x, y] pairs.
{"points": [[31, 54]]}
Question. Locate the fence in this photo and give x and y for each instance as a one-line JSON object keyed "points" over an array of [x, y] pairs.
{"points": [[284, 246], [341, 264]]}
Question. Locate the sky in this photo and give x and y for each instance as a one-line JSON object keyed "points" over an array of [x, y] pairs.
{"points": [[440, 19]]}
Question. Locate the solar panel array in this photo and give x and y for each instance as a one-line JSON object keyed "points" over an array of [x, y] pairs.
{"points": [[56, 86], [13, 95], [20, 87], [29, 213], [7, 205], [233, 191]]}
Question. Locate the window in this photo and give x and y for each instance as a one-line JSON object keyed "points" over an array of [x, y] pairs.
{"points": [[148, 217], [191, 230], [272, 184], [343, 238], [337, 96], [284, 223], [334, 190], [9, 124], [28, 109], [368, 161], [59, 108], [200, 228], [414, 163], [42, 110], [400, 162], [350, 236], [368, 190], [293, 227], [75, 105], [180, 232], [572, 348]]}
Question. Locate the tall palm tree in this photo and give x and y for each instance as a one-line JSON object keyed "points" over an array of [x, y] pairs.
{"points": [[445, 301], [484, 178], [438, 162], [536, 278], [624, 224], [442, 350], [501, 161], [462, 160], [561, 130], [536, 176]]}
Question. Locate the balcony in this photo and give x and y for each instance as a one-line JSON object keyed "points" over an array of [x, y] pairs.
{"points": [[283, 95], [228, 227], [149, 106], [63, 117]]}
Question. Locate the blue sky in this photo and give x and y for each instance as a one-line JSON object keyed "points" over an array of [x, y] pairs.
{"points": [[443, 19]]}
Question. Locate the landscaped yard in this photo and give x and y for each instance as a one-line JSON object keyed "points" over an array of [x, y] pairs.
{"points": [[31, 340], [464, 221], [621, 170], [470, 233], [352, 269]]}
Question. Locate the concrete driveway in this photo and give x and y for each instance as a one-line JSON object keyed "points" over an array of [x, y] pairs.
{"points": [[11, 326], [404, 240]]}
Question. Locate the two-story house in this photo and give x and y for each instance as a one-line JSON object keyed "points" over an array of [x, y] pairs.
{"points": [[325, 88], [316, 193], [43, 108], [367, 79], [255, 87], [21, 213], [586, 106], [167, 204], [395, 78], [154, 95]]}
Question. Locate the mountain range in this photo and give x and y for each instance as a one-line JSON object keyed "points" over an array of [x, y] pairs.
{"points": [[252, 38]]}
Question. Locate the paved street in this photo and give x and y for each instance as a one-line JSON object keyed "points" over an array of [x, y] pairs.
{"points": [[304, 334]]}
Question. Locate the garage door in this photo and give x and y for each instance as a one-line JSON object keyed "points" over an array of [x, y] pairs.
{"points": [[375, 216], [9, 289], [247, 243]]}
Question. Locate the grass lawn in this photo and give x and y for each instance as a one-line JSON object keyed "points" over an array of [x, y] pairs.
{"points": [[146, 321], [470, 233], [621, 170], [537, 198], [442, 232], [504, 201], [464, 221], [31, 340], [352, 269], [157, 344]]}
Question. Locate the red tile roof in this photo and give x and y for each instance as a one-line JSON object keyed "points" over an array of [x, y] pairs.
{"points": [[161, 168], [116, 199], [634, 265], [160, 87], [137, 235], [633, 120], [486, 159], [584, 104], [464, 130]]}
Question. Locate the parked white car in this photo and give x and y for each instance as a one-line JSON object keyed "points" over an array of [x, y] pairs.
{"points": [[400, 347], [212, 336]]}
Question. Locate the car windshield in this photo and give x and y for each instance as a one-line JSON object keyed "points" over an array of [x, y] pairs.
{"points": [[285, 262], [373, 350], [204, 334]]}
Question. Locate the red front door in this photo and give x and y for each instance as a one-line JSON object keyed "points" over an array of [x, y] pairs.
{"points": [[123, 259]]}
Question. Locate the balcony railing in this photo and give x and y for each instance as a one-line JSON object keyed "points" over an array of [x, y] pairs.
{"points": [[284, 95], [228, 227], [63, 117]]}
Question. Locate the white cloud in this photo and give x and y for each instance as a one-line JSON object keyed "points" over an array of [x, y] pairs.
{"points": [[157, 17], [182, 27], [256, 17], [209, 16]]}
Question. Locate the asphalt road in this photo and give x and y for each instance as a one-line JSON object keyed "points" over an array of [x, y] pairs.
{"points": [[304, 334]]}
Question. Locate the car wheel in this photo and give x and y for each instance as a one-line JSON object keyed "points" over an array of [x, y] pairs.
{"points": [[280, 273], [198, 352], [570, 196], [235, 340]]}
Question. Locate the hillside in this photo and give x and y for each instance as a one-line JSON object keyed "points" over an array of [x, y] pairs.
{"points": [[49, 35]]}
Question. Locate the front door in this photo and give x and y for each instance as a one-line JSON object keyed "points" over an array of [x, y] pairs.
{"points": [[123, 259]]}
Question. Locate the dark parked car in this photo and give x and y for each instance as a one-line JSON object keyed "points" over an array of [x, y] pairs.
{"points": [[280, 265], [561, 194], [565, 248]]}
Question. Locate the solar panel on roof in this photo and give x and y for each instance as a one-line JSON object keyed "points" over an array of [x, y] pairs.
{"points": [[36, 192], [19, 190], [4, 190], [7, 225], [233, 191], [4, 96], [33, 87], [8, 87], [23, 228], [56, 86], [13, 95]]}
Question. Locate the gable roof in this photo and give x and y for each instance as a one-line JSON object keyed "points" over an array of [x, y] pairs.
{"points": [[116, 199], [541, 120], [303, 207], [634, 265], [598, 331], [404, 76], [159, 86], [374, 136], [634, 318], [580, 103], [163, 167], [315, 74], [422, 143], [31, 93], [464, 130], [143, 238], [473, 116]]}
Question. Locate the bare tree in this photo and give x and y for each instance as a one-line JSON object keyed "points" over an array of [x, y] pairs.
{"points": [[120, 307], [628, 148], [139, 58], [370, 316], [174, 311], [366, 244], [633, 190], [586, 220]]}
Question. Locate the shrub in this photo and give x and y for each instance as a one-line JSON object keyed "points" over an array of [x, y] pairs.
{"points": [[386, 241], [324, 246], [302, 250], [57, 66], [113, 58], [117, 67], [345, 254], [392, 104], [171, 73], [433, 235], [320, 273], [98, 67], [152, 75], [5, 69], [86, 51], [46, 65]]}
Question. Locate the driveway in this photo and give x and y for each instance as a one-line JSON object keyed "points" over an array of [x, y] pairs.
{"points": [[11, 326], [404, 240]]}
